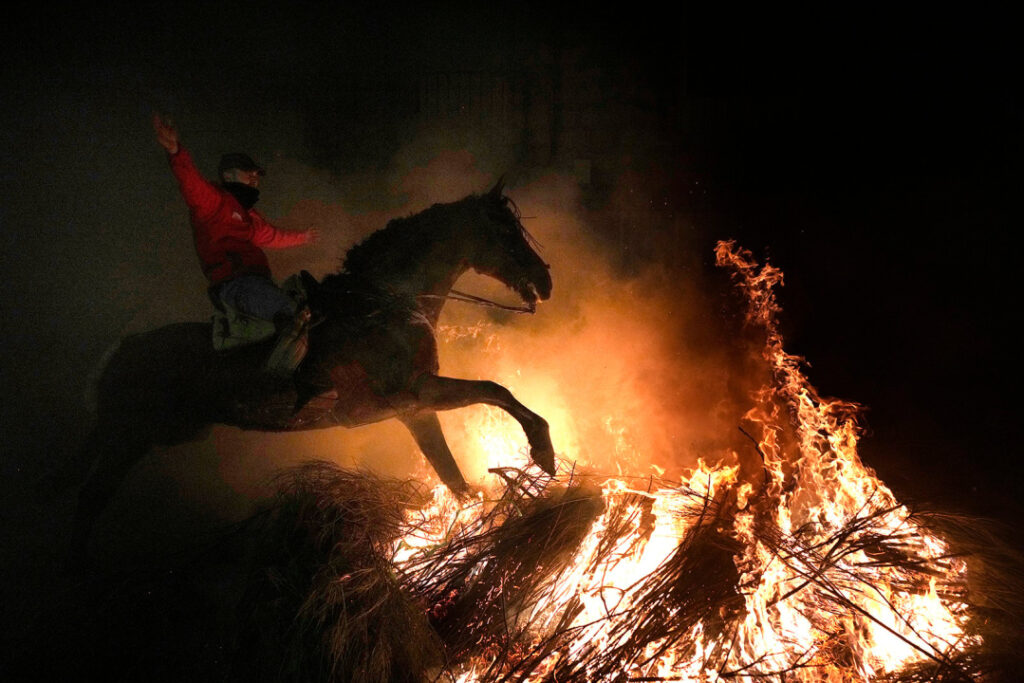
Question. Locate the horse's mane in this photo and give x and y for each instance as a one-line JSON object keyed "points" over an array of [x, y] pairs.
{"points": [[402, 239], [360, 287], [366, 268]]}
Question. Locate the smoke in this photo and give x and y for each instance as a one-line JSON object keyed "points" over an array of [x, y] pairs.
{"points": [[632, 367], [632, 370], [224, 474], [628, 361], [625, 361]]}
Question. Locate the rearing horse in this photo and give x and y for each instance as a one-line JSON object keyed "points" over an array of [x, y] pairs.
{"points": [[372, 357]]}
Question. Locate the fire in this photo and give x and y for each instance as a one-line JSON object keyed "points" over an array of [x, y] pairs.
{"points": [[822, 575]]}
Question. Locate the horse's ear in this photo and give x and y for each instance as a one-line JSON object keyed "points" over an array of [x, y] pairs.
{"points": [[498, 188]]}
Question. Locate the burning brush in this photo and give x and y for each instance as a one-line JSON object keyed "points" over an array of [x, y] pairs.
{"points": [[812, 572], [816, 572]]}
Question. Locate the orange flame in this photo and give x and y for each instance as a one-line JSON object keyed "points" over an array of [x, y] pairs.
{"points": [[832, 587]]}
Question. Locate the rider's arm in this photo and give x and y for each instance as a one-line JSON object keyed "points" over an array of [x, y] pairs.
{"points": [[202, 197], [266, 235]]}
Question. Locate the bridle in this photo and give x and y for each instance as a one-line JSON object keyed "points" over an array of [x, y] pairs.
{"points": [[456, 295]]}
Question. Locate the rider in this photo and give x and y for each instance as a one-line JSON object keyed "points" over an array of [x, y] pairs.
{"points": [[229, 234]]}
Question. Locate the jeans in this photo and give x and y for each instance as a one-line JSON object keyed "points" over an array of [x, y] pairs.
{"points": [[256, 296]]}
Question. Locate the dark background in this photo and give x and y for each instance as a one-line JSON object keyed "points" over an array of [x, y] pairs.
{"points": [[874, 156]]}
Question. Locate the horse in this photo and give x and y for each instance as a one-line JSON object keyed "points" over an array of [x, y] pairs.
{"points": [[372, 356]]}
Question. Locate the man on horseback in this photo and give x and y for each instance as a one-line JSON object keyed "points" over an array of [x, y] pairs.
{"points": [[229, 235], [376, 348]]}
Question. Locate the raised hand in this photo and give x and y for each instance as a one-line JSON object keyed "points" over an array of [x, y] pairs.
{"points": [[166, 134]]}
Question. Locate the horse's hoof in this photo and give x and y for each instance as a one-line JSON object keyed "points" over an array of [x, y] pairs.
{"points": [[463, 494], [545, 460], [544, 456], [541, 450]]}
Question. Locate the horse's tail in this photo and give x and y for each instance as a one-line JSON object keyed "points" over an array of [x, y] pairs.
{"points": [[92, 382], [100, 468], [73, 471]]}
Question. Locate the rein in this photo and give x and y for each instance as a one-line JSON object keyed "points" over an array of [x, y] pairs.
{"points": [[456, 295]]}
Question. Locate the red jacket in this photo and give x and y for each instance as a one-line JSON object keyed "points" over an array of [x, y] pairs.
{"points": [[227, 236]]}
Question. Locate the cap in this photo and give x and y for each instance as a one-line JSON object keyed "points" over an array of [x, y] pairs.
{"points": [[242, 162]]}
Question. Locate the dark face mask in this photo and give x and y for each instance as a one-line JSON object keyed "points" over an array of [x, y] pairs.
{"points": [[246, 195]]}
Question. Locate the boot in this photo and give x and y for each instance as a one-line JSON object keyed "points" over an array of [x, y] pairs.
{"points": [[292, 345]]}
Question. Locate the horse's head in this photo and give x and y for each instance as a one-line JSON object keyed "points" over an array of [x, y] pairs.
{"points": [[505, 251]]}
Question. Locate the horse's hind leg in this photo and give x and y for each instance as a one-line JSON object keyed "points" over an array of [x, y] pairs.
{"points": [[115, 452], [446, 393], [73, 472], [426, 429]]}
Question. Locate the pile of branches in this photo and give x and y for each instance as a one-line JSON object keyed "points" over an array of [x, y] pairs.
{"points": [[498, 566], [311, 590], [322, 601], [697, 584], [479, 589]]}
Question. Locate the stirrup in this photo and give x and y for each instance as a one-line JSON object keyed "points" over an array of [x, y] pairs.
{"points": [[291, 348]]}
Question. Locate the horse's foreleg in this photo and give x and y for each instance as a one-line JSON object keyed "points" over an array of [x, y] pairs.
{"points": [[426, 429], [446, 393]]}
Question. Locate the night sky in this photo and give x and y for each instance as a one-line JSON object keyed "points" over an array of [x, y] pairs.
{"points": [[874, 157]]}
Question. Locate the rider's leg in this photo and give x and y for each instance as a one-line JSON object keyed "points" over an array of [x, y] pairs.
{"points": [[259, 297]]}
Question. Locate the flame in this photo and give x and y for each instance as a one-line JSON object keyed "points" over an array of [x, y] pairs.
{"points": [[823, 596]]}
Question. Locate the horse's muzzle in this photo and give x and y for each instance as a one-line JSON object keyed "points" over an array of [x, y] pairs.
{"points": [[541, 286]]}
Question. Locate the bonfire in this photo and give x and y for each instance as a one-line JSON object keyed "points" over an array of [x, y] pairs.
{"points": [[812, 571], [809, 569]]}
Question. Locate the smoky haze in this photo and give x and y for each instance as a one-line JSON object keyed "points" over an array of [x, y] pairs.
{"points": [[883, 181], [624, 360], [627, 363]]}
